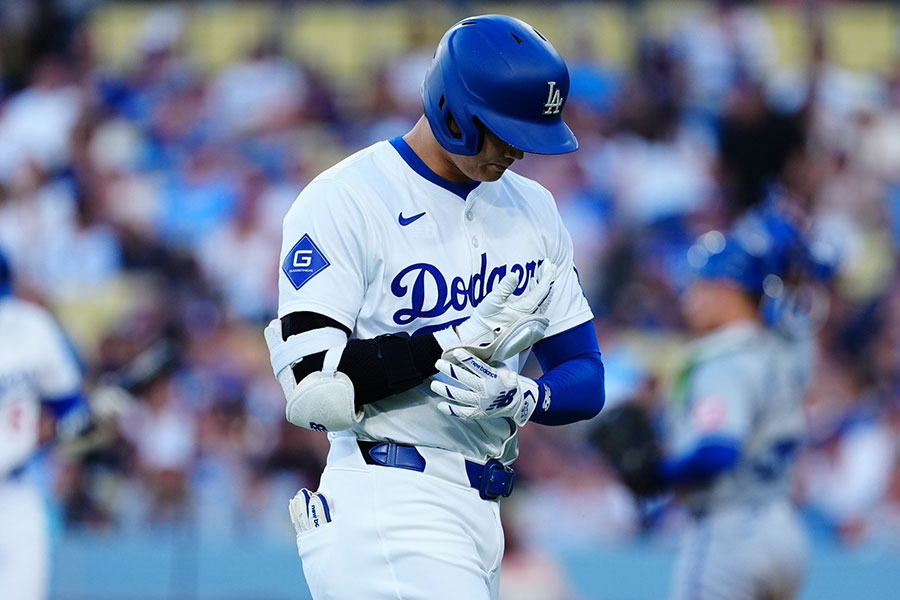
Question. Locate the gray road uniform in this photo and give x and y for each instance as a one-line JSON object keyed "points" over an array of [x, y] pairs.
{"points": [[743, 386]]}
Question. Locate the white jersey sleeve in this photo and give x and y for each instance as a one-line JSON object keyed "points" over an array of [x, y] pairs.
{"points": [[324, 254], [36, 364], [59, 375], [568, 307]]}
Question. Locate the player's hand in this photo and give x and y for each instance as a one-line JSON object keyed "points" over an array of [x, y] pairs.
{"points": [[504, 324], [309, 510], [478, 390]]}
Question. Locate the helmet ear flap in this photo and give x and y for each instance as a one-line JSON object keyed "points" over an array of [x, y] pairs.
{"points": [[455, 130], [452, 127], [449, 120], [480, 128], [444, 102], [471, 134]]}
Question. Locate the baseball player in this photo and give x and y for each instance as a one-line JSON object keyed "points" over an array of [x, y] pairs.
{"points": [[36, 366], [735, 424], [414, 276]]}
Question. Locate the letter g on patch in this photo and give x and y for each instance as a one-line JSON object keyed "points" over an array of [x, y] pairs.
{"points": [[303, 262]]}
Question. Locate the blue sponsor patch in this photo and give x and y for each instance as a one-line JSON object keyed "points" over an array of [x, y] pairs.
{"points": [[303, 262]]}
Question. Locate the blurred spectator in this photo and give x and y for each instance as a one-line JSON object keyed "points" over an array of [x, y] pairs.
{"points": [[241, 258], [848, 479], [163, 434], [36, 123], [721, 46], [197, 200], [756, 144], [265, 92]]}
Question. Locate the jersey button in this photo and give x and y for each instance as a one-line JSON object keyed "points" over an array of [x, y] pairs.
{"points": [[475, 241], [469, 215]]}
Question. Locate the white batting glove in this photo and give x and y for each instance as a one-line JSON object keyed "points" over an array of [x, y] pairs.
{"points": [[480, 391], [309, 510], [504, 324]]}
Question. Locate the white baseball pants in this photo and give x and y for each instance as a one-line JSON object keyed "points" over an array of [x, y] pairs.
{"points": [[23, 542], [402, 535]]}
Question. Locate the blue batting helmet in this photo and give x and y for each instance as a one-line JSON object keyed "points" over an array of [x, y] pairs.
{"points": [[502, 73]]}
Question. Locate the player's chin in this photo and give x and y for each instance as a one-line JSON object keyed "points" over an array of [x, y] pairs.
{"points": [[493, 171], [697, 319]]}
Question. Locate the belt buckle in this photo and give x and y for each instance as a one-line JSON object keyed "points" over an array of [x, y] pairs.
{"points": [[496, 480]]}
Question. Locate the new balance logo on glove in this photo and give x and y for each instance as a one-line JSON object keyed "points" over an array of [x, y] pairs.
{"points": [[503, 399], [309, 510], [477, 365]]}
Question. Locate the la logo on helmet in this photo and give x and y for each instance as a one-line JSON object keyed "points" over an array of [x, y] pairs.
{"points": [[554, 100]]}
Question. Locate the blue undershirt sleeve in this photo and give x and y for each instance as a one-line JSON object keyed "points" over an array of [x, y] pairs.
{"points": [[573, 372], [709, 457], [72, 414], [63, 405]]}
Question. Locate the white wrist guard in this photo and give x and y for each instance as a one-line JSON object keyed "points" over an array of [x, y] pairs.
{"points": [[324, 400]]}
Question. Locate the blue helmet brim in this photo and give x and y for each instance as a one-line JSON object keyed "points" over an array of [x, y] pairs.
{"points": [[535, 137]]}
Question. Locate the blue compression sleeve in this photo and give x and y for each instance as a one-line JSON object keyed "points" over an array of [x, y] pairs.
{"points": [[711, 456], [573, 370], [72, 414], [63, 405]]}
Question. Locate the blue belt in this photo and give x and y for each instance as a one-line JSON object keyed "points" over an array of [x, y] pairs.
{"points": [[492, 479]]}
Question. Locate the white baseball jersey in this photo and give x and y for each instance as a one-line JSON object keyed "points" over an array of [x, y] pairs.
{"points": [[377, 245], [36, 364]]}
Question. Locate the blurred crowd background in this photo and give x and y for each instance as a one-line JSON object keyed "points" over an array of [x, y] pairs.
{"points": [[149, 151]]}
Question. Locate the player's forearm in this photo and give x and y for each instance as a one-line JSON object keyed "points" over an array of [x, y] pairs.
{"points": [[576, 391], [573, 371]]}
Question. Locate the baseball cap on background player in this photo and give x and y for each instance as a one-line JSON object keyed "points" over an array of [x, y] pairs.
{"points": [[760, 251], [502, 73], [717, 257]]}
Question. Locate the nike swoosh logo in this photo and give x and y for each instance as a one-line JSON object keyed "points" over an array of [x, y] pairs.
{"points": [[404, 221]]}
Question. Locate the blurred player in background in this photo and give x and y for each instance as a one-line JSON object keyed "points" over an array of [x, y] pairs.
{"points": [[735, 419], [735, 425], [37, 368], [414, 274]]}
